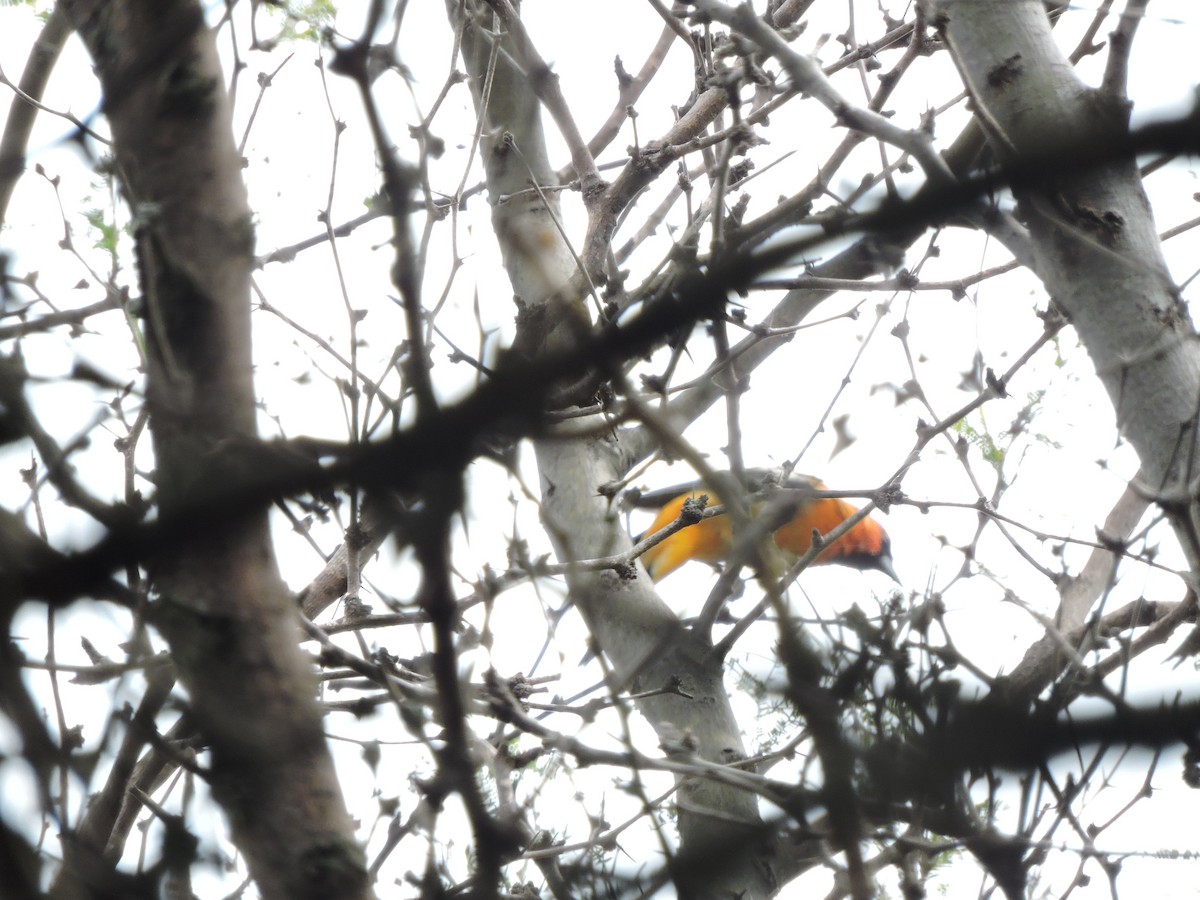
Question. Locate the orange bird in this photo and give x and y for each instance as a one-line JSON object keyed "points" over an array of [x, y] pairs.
{"points": [[795, 502]]}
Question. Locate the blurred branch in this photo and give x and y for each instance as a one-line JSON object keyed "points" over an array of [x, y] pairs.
{"points": [[25, 104], [1044, 660]]}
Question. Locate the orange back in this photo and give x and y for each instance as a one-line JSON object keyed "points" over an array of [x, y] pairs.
{"points": [[862, 547]]}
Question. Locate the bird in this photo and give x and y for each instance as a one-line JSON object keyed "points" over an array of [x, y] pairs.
{"points": [[794, 501]]}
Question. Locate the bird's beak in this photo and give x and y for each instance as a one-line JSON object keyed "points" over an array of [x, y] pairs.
{"points": [[884, 565]]}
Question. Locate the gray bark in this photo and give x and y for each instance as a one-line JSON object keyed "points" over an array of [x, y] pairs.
{"points": [[1097, 249], [223, 607], [639, 634]]}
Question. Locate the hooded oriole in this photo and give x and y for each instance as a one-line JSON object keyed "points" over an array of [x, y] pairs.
{"points": [[794, 502]]}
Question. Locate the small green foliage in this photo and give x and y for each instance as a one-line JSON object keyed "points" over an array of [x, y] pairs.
{"points": [[107, 232], [1056, 342], [102, 218], [304, 20], [320, 12], [982, 439]]}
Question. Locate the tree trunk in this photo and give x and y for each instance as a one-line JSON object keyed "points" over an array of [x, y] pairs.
{"points": [[1099, 255], [639, 634], [223, 607]]}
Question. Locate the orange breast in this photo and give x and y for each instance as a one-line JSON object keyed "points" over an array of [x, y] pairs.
{"points": [[865, 546], [707, 541]]}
